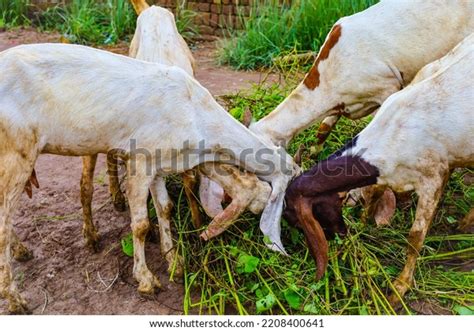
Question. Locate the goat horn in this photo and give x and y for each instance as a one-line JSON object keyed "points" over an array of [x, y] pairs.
{"points": [[28, 189], [34, 179], [247, 118], [139, 6], [314, 234]]}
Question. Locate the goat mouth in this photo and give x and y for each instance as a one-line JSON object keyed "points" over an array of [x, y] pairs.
{"points": [[314, 234]]}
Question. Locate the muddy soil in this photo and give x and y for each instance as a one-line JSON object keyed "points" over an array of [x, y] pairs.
{"points": [[64, 277]]}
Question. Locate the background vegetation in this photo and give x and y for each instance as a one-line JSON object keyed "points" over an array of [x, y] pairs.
{"points": [[274, 29], [86, 21], [13, 13]]}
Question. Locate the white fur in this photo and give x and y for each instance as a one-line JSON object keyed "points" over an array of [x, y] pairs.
{"points": [[440, 127], [421, 133], [157, 39]]}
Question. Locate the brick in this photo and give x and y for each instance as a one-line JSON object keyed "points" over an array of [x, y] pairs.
{"points": [[204, 7], [242, 10], [227, 9], [241, 2], [194, 6], [205, 18], [226, 21], [214, 21], [215, 9], [202, 18], [219, 32], [205, 30]]}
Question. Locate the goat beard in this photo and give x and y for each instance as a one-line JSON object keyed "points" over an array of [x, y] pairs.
{"points": [[314, 235]]}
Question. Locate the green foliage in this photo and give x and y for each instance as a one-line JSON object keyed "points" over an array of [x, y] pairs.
{"points": [[185, 24], [127, 244], [14, 13], [247, 263], [463, 310], [236, 273], [273, 29], [91, 22], [102, 22]]}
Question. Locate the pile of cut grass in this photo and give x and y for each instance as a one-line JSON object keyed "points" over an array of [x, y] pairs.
{"points": [[273, 29], [236, 273]]}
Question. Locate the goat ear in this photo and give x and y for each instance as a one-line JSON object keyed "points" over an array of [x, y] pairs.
{"points": [[314, 234], [299, 154], [270, 224], [28, 189], [385, 208], [247, 118], [34, 179]]}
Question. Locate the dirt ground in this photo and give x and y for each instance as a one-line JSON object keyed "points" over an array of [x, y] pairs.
{"points": [[66, 278]]}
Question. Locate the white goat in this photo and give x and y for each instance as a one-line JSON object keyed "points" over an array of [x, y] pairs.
{"points": [[366, 58], [88, 101], [418, 135], [156, 40]]}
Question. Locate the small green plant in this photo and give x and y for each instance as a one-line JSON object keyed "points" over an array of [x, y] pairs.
{"points": [[127, 245], [14, 13], [273, 29], [185, 24]]}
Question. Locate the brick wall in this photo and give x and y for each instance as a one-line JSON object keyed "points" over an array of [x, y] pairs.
{"points": [[213, 17]]}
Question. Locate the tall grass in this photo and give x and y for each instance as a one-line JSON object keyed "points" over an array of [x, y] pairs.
{"points": [[91, 22], [14, 12], [102, 22], [273, 29]]}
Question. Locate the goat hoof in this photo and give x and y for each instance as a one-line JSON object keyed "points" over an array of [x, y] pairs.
{"points": [[18, 307], [148, 286], [205, 236], [401, 288], [176, 268], [20, 253], [120, 204], [92, 241]]}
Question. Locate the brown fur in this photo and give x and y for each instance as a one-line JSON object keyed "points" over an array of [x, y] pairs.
{"points": [[320, 187], [312, 78], [190, 183], [89, 230]]}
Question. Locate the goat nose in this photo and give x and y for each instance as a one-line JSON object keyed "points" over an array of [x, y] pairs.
{"points": [[342, 233]]}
